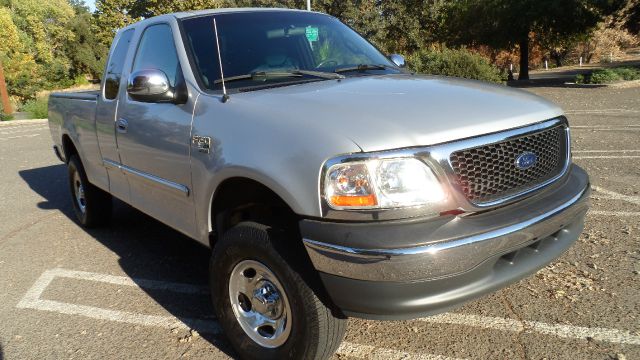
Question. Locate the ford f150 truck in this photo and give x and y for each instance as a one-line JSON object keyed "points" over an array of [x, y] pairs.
{"points": [[328, 180]]}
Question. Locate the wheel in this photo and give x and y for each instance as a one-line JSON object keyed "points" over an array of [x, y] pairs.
{"points": [[263, 299], [91, 205]]}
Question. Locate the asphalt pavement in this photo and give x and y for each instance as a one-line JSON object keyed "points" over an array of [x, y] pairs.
{"points": [[137, 289]]}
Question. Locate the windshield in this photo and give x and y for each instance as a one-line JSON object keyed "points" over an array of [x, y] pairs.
{"points": [[278, 42]]}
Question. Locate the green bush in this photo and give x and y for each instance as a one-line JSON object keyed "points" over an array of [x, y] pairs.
{"points": [[629, 74], [37, 108], [80, 80], [455, 62], [606, 76]]}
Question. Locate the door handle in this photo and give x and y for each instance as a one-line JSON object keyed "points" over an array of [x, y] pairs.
{"points": [[121, 126]]}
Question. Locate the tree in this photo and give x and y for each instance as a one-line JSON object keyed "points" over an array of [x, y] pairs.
{"points": [[401, 26], [85, 51], [111, 15], [148, 8], [505, 24], [629, 17], [22, 74], [44, 24]]}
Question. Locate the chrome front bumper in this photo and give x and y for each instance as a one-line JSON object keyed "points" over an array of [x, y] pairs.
{"points": [[422, 250]]}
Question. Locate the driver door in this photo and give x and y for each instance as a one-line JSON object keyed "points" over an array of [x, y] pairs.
{"points": [[154, 138]]}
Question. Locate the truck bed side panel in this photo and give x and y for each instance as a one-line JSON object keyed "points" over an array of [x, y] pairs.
{"points": [[73, 114]]}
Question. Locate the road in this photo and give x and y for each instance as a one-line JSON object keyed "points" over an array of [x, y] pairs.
{"points": [[137, 289], [568, 73]]}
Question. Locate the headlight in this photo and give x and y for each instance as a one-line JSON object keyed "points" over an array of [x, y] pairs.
{"points": [[379, 184]]}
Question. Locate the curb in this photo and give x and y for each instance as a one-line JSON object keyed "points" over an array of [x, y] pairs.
{"points": [[625, 84], [23, 122]]}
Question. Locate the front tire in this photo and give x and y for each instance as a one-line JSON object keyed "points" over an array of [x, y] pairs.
{"points": [[265, 306], [91, 205]]}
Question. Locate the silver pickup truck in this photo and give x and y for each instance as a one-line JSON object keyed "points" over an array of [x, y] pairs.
{"points": [[328, 180]]}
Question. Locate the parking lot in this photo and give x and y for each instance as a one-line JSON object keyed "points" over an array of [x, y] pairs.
{"points": [[138, 289]]}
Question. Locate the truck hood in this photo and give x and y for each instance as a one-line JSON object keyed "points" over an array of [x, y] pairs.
{"points": [[397, 111]]}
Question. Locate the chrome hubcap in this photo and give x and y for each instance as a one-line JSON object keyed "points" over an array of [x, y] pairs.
{"points": [[79, 193], [260, 304]]}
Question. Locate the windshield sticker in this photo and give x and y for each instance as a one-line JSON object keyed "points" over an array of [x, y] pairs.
{"points": [[312, 33]]}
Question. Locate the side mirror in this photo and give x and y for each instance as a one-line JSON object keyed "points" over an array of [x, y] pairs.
{"points": [[398, 60], [150, 85]]}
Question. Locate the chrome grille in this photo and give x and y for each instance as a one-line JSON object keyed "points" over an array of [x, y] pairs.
{"points": [[489, 173]]}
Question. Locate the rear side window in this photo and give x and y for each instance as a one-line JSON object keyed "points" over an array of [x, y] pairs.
{"points": [[158, 51], [116, 63]]}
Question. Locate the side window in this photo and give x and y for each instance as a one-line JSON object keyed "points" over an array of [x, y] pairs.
{"points": [[157, 51], [116, 63]]}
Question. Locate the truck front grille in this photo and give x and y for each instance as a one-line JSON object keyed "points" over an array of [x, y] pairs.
{"points": [[489, 173]]}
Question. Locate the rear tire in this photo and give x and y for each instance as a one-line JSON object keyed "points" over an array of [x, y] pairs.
{"points": [[250, 267], [91, 205]]}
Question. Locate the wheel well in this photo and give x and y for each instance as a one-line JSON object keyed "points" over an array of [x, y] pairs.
{"points": [[68, 149], [242, 199]]}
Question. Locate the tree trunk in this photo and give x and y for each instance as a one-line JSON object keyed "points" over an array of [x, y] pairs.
{"points": [[4, 96], [524, 58], [557, 57]]}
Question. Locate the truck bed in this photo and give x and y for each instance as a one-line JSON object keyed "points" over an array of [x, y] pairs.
{"points": [[75, 112], [78, 95]]}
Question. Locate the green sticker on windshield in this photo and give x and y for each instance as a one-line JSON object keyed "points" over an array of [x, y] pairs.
{"points": [[312, 33]]}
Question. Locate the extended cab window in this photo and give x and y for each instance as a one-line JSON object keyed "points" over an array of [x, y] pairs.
{"points": [[116, 63], [157, 51]]}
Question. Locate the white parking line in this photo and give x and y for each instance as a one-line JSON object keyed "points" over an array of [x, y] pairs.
{"points": [[17, 131], [616, 196], [600, 111], [606, 129], [26, 126], [32, 300], [607, 157], [16, 123], [126, 281], [20, 137], [375, 353], [603, 151], [599, 126], [597, 154], [559, 330], [615, 213]]}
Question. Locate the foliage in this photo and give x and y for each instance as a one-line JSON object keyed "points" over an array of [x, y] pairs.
{"points": [[605, 76], [628, 17], [47, 44], [394, 26], [45, 23], [505, 24], [86, 52], [110, 16], [57, 43], [451, 62], [22, 74], [37, 108], [606, 43]]}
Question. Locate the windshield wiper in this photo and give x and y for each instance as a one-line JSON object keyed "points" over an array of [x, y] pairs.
{"points": [[264, 75], [320, 74], [362, 67]]}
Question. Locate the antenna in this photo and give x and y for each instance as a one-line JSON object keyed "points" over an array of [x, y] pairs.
{"points": [[225, 96]]}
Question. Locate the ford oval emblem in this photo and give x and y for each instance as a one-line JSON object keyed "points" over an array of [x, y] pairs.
{"points": [[526, 160]]}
